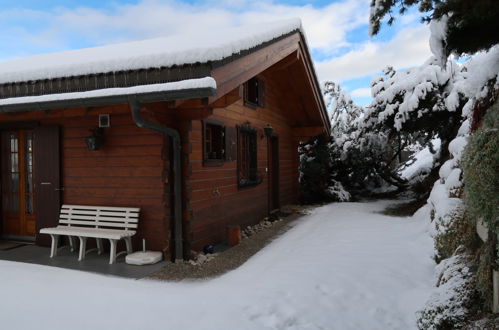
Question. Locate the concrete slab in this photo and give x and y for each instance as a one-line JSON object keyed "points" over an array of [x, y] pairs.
{"points": [[69, 260]]}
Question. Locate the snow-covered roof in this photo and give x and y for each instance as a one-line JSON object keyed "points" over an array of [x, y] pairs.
{"points": [[199, 47]]}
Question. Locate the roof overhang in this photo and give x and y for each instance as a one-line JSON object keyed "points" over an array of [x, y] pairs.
{"points": [[107, 97]]}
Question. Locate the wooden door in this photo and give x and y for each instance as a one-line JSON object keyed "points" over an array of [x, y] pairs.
{"points": [[47, 180], [18, 211], [273, 173]]}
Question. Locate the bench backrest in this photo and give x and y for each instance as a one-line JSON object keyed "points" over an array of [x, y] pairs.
{"points": [[123, 218]]}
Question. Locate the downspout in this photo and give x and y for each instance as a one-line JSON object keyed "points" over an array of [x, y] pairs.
{"points": [[177, 175]]}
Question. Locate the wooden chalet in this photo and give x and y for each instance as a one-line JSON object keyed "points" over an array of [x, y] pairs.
{"points": [[199, 138]]}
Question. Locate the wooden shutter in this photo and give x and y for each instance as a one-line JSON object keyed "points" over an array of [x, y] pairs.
{"points": [[261, 93], [230, 143], [47, 180]]}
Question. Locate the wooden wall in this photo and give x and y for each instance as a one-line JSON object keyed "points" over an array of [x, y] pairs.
{"points": [[131, 169], [215, 200]]}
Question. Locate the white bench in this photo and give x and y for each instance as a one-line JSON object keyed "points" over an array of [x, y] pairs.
{"points": [[99, 222]]}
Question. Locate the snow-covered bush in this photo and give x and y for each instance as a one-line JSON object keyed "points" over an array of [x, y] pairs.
{"points": [[337, 192], [481, 171], [447, 208], [419, 165], [455, 297]]}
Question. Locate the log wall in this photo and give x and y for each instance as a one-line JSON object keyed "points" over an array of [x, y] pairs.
{"points": [[215, 200], [130, 170]]}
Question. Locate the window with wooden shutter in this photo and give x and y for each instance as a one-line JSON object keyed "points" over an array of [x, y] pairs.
{"points": [[247, 164], [254, 93], [213, 142]]}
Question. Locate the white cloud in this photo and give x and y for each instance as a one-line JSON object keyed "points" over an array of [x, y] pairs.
{"points": [[327, 30], [361, 92], [326, 27], [408, 48]]}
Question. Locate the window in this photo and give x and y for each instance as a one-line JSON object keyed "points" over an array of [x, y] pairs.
{"points": [[214, 142], [254, 93], [247, 167]]}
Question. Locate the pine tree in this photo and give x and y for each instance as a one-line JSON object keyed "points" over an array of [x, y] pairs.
{"points": [[471, 25]]}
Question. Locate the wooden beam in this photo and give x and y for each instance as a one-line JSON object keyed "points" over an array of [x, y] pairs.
{"points": [[228, 99], [286, 62], [191, 114], [239, 71], [191, 103]]}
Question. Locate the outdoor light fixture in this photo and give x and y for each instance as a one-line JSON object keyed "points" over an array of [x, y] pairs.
{"points": [[268, 130], [96, 140]]}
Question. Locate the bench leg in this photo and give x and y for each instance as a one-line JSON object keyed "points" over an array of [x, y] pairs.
{"points": [[128, 241], [83, 247], [71, 243], [112, 253], [99, 245], [53, 246]]}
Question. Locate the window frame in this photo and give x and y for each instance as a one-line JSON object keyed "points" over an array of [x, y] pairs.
{"points": [[252, 171], [214, 161], [259, 87]]}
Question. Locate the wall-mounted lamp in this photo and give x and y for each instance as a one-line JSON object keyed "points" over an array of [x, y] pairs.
{"points": [[268, 130], [96, 140]]}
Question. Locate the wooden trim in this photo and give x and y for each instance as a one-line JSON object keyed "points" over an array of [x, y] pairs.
{"points": [[312, 78], [19, 125], [206, 161], [239, 71]]}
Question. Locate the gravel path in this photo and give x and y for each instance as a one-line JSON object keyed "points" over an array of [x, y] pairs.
{"points": [[229, 259]]}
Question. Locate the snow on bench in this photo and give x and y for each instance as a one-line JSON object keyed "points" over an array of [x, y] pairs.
{"points": [[99, 222]]}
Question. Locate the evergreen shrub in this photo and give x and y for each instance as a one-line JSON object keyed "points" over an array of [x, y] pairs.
{"points": [[481, 171]]}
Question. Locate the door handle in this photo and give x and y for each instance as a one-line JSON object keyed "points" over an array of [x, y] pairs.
{"points": [[59, 189], [45, 183]]}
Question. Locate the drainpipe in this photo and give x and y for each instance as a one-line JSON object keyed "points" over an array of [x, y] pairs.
{"points": [[177, 175]]}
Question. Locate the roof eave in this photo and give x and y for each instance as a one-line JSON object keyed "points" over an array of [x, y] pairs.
{"points": [[150, 97], [321, 104]]}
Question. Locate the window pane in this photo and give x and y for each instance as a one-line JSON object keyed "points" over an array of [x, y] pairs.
{"points": [[247, 160], [15, 182], [15, 203], [14, 162], [29, 204], [13, 142], [214, 142], [29, 183], [29, 142]]}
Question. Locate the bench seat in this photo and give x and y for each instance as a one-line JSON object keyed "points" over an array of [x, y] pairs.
{"points": [[88, 232], [99, 222]]}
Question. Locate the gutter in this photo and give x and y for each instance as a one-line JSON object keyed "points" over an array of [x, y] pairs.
{"points": [[173, 134]]}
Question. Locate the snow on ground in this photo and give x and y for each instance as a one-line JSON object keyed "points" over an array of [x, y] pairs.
{"points": [[344, 266]]}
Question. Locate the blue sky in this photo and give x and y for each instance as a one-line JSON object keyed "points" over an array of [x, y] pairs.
{"points": [[337, 31]]}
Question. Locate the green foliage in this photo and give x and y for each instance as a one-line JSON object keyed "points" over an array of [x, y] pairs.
{"points": [[459, 232], [481, 171], [486, 262], [472, 24]]}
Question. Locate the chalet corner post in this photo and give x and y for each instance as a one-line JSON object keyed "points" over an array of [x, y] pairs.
{"points": [[135, 107]]}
